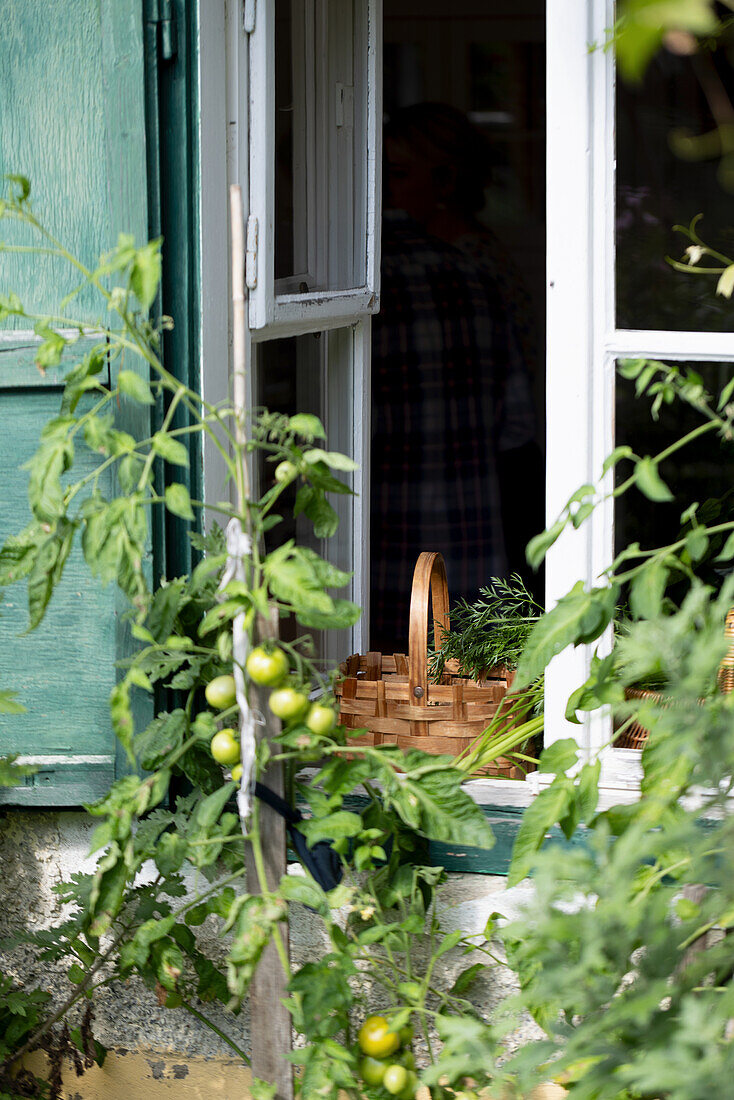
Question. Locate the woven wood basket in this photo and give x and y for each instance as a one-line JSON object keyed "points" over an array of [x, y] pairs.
{"points": [[389, 695], [635, 735]]}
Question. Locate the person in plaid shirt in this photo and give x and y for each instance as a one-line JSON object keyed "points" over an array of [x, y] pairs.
{"points": [[450, 402]]}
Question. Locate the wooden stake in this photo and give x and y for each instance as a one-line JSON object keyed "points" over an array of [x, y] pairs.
{"points": [[270, 1021]]}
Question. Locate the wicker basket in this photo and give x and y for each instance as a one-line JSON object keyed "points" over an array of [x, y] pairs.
{"points": [[635, 735], [391, 698]]}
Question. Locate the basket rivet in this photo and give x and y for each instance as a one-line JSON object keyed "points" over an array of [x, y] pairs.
{"points": [[418, 692]]}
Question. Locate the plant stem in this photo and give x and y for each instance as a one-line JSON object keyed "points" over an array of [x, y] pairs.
{"points": [[217, 1031]]}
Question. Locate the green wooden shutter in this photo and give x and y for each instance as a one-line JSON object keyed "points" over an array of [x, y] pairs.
{"points": [[72, 89]]}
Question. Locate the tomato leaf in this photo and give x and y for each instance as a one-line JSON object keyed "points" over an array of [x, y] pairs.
{"points": [[649, 481]]}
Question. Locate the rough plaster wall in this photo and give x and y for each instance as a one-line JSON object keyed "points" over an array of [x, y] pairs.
{"points": [[38, 850]]}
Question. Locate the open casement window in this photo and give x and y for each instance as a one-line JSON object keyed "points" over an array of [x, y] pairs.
{"points": [[616, 188], [73, 121], [314, 159], [312, 156]]}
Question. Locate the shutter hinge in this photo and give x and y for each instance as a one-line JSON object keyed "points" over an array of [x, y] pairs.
{"points": [[251, 253], [248, 16], [168, 34], [161, 15]]}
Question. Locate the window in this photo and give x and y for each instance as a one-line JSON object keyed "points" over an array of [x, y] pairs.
{"points": [[606, 234], [315, 373], [304, 114], [313, 164]]}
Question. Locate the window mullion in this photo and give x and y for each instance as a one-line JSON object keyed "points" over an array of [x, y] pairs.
{"points": [[659, 344]]}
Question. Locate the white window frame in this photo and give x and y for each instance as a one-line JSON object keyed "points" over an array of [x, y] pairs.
{"points": [[273, 314], [584, 342], [232, 109]]}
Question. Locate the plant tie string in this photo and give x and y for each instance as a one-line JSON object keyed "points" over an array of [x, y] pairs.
{"points": [[239, 546]]}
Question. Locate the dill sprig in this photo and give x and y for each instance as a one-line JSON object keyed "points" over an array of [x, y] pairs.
{"points": [[491, 631]]}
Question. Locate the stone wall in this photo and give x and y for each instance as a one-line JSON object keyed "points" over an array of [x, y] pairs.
{"points": [[39, 850]]}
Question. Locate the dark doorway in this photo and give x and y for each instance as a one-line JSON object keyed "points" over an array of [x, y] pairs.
{"points": [[459, 345]]}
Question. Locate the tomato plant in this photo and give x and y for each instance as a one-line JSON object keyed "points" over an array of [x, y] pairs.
{"points": [[285, 472], [321, 719], [267, 667], [372, 1070], [186, 629], [220, 692], [225, 747], [287, 703], [395, 1078], [376, 1039]]}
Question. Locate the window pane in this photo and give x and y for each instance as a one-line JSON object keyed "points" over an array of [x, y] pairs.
{"points": [[669, 169], [699, 472], [320, 145], [290, 135], [313, 374]]}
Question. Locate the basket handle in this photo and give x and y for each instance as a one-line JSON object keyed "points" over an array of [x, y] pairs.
{"points": [[429, 577]]}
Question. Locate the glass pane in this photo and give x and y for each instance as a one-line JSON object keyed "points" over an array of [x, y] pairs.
{"points": [[291, 255], [312, 374], [320, 145], [669, 169], [288, 382], [699, 472]]}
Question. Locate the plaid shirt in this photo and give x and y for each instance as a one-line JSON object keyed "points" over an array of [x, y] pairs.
{"points": [[448, 392]]}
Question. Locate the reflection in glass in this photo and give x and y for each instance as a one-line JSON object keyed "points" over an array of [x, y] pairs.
{"points": [[702, 471], [670, 168]]}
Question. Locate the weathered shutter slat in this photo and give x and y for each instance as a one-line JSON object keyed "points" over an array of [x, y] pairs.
{"points": [[72, 85]]}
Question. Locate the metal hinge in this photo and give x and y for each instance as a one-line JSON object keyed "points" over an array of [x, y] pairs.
{"points": [[251, 253], [161, 15], [248, 16]]}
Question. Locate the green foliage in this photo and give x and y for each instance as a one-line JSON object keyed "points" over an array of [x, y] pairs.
{"points": [[124, 920], [641, 26], [11, 773], [489, 632], [625, 960]]}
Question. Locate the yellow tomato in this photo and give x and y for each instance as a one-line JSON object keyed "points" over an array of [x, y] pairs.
{"points": [[376, 1039]]}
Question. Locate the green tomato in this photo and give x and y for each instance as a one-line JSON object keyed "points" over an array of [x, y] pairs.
{"points": [[395, 1079], [285, 472], [321, 719], [407, 1058], [406, 1034], [376, 1039], [220, 692], [225, 747], [372, 1070], [267, 667], [224, 646], [287, 703], [412, 991], [411, 1085], [237, 773]]}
